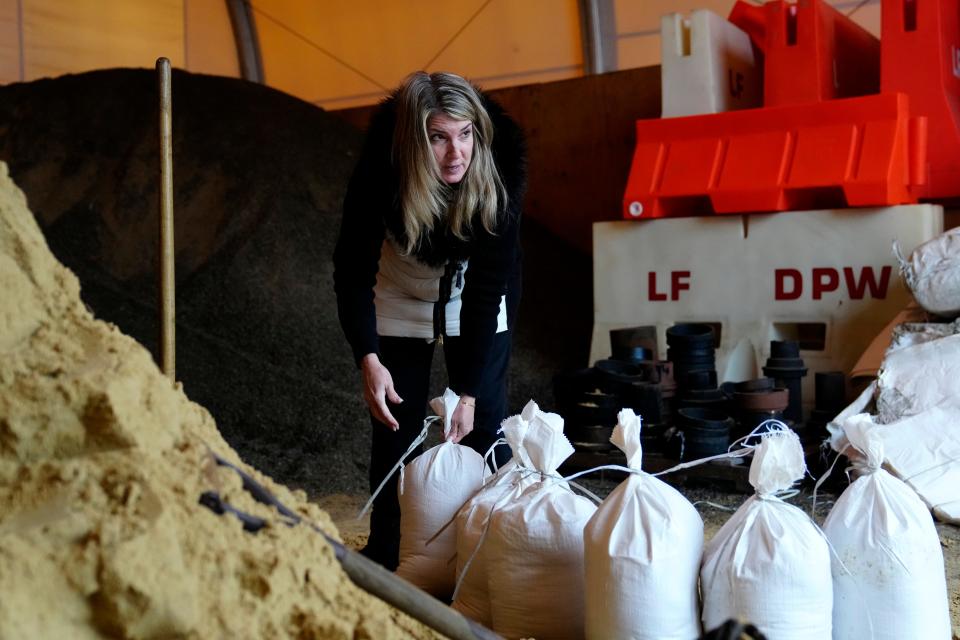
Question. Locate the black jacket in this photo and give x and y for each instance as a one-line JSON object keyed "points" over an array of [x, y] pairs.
{"points": [[371, 210]]}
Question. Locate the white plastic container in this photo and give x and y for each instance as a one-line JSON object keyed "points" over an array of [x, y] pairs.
{"points": [[707, 65]]}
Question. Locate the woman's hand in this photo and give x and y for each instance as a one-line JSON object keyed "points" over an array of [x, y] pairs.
{"points": [[462, 421], [378, 388]]}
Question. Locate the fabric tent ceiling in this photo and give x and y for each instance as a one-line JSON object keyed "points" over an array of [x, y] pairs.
{"points": [[340, 53]]}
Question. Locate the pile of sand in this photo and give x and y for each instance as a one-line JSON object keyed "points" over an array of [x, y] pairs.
{"points": [[102, 461]]}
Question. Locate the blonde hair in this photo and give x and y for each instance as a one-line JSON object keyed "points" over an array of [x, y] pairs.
{"points": [[425, 198]]}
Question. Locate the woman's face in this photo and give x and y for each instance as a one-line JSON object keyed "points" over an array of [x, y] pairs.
{"points": [[452, 144]]}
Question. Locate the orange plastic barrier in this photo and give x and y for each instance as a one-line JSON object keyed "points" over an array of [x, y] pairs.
{"points": [[812, 52], [811, 147], [921, 57], [841, 153]]}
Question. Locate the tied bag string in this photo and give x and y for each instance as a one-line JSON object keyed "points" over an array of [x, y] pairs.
{"points": [[823, 478], [399, 465], [490, 457], [738, 453]]}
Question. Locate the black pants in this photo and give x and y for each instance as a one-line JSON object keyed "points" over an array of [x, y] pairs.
{"points": [[408, 360]]}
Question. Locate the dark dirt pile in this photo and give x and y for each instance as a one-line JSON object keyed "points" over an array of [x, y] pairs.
{"points": [[258, 181]]}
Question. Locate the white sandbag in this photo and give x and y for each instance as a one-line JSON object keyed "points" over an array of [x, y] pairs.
{"points": [[472, 597], [642, 554], [932, 273], [891, 584], [535, 546], [431, 490], [769, 564]]}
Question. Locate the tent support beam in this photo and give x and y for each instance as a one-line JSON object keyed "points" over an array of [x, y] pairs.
{"points": [[248, 44], [598, 30]]}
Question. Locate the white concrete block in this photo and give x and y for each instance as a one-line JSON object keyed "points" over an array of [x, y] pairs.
{"points": [[828, 277]]}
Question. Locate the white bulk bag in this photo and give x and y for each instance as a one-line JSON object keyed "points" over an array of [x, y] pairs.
{"points": [[915, 378], [924, 451], [769, 565], [431, 490], [933, 273], [535, 546], [472, 597], [642, 554], [891, 584], [918, 408]]}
